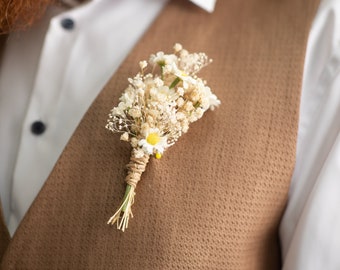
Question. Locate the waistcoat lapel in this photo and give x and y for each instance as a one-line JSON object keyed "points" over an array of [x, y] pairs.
{"points": [[214, 201], [4, 235]]}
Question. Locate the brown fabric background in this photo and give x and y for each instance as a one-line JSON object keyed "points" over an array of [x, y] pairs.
{"points": [[214, 201]]}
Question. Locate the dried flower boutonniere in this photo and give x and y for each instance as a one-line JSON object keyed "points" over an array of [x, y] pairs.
{"points": [[155, 110]]}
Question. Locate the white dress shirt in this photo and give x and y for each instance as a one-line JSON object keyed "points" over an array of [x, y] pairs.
{"points": [[63, 68], [310, 229]]}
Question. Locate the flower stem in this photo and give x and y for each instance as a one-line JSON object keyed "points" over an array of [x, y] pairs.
{"points": [[125, 202], [175, 82], [135, 168]]}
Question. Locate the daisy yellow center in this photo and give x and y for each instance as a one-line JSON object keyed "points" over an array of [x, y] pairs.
{"points": [[153, 138]]}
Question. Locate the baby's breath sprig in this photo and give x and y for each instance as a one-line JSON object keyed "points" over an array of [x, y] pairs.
{"points": [[155, 110]]}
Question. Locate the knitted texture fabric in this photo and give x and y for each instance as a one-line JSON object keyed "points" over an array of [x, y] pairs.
{"points": [[4, 235], [215, 199]]}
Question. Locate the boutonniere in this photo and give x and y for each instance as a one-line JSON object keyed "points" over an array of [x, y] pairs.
{"points": [[155, 110]]}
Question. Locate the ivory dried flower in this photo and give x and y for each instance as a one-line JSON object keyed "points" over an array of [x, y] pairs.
{"points": [[155, 110]]}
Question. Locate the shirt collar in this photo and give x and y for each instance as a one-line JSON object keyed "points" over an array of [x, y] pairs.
{"points": [[208, 5]]}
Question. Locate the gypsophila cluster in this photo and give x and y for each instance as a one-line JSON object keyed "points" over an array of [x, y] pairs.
{"points": [[161, 101]]}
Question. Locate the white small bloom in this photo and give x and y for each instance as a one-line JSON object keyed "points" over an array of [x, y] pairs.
{"points": [[137, 81], [194, 96], [185, 128], [184, 53], [180, 102], [180, 116], [162, 59], [117, 111], [143, 64], [157, 58], [212, 99], [124, 137], [199, 112], [170, 58], [178, 47], [140, 92], [122, 106], [158, 82], [135, 112], [189, 106], [172, 118], [180, 91], [167, 69], [214, 102]]}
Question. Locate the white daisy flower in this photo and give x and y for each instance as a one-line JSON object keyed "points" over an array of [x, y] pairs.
{"points": [[154, 143], [162, 59]]}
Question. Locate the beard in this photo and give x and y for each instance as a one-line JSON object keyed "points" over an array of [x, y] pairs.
{"points": [[20, 14]]}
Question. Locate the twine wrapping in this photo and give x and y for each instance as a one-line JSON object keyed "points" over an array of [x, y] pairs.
{"points": [[135, 167]]}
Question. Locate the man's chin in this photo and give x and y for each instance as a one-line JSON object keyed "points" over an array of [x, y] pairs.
{"points": [[20, 14]]}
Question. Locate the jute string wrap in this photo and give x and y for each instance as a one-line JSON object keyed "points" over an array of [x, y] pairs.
{"points": [[135, 167]]}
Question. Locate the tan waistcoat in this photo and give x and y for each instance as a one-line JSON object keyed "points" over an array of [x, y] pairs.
{"points": [[214, 201]]}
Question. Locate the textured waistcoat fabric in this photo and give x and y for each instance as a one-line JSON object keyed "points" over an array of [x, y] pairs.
{"points": [[4, 235], [215, 199]]}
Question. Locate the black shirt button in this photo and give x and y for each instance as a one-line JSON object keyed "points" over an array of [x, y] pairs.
{"points": [[38, 128], [67, 23]]}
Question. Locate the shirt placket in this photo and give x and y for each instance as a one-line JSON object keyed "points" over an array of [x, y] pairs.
{"points": [[39, 126]]}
